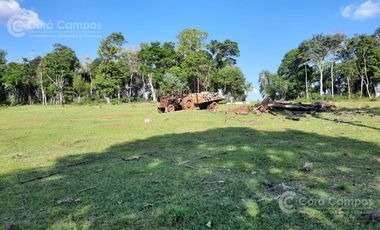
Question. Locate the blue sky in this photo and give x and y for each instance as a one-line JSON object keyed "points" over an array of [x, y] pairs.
{"points": [[265, 30]]}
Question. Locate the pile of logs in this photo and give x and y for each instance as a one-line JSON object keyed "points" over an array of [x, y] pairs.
{"points": [[268, 105]]}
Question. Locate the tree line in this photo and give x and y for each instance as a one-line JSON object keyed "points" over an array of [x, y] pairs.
{"points": [[125, 74], [327, 65]]}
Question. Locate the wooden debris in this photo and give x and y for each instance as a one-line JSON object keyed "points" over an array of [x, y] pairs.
{"points": [[58, 171], [39, 177], [286, 187], [373, 215], [243, 110], [308, 166], [292, 118], [65, 200], [195, 159], [86, 189], [134, 158], [267, 105], [208, 224]]}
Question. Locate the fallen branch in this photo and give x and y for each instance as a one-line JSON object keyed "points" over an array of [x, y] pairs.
{"points": [[213, 182], [58, 171], [195, 159], [86, 189], [135, 158], [39, 177]]}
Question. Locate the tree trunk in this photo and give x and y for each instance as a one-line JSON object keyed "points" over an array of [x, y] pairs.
{"points": [[306, 83], [332, 76], [43, 95], [150, 78], [349, 88], [321, 79], [197, 84], [90, 85], [143, 87], [361, 85], [130, 88], [30, 98], [61, 97], [108, 99], [367, 79]]}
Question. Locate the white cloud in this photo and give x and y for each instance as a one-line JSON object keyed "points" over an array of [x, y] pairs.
{"points": [[26, 19], [366, 10]]}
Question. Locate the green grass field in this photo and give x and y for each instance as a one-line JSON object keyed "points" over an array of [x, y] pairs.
{"points": [[195, 167]]}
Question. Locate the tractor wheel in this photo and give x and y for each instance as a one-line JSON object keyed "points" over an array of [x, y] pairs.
{"points": [[214, 105], [187, 104], [171, 108]]}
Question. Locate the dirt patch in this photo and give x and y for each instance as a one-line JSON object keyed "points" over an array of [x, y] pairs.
{"points": [[254, 122], [243, 110]]}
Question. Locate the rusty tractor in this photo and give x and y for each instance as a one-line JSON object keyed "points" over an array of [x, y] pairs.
{"points": [[204, 100]]}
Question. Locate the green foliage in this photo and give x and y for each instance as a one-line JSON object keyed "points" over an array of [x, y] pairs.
{"points": [[80, 86], [352, 63], [224, 53], [131, 73], [57, 70], [111, 47], [294, 68], [107, 80], [231, 81], [191, 40], [272, 86], [171, 84]]}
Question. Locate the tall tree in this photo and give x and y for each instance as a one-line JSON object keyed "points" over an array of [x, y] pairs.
{"points": [[295, 69], [156, 59], [131, 59], [111, 74], [348, 69], [367, 57], [13, 79], [3, 62], [316, 50], [57, 70], [335, 44], [30, 81], [224, 53], [272, 86], [191, 40], [231, 81]]}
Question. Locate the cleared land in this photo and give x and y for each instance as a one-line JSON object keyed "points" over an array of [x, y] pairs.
{"points": [[109, 169]]}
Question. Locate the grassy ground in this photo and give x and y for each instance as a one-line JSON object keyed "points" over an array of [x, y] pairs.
{"points": [[196, 167]]}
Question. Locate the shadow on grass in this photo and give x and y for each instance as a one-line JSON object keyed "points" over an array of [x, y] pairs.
{"points": [[229, 176], [372, 111]]}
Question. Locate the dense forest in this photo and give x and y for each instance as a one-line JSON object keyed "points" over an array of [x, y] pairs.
{"points": [[327, 65], [121, 74]]}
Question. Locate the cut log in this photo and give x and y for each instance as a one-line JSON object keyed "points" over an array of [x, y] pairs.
{"points": [[267, 105]]}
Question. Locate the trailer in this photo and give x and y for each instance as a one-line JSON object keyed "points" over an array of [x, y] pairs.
{"points": [[203, 100]]}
